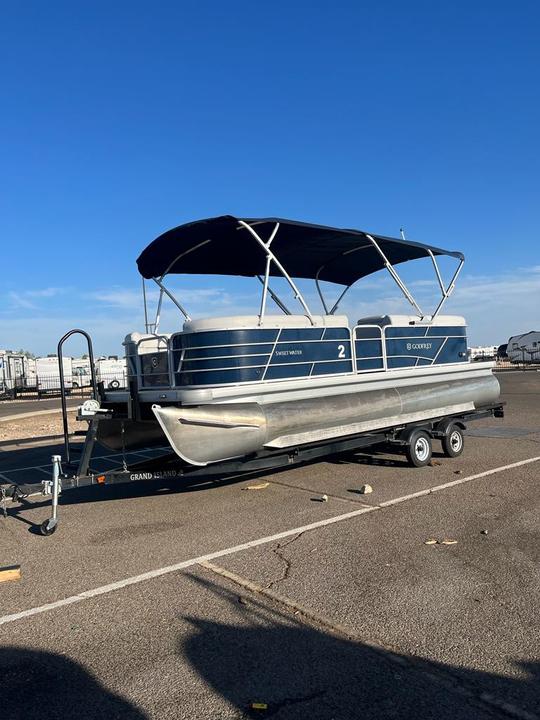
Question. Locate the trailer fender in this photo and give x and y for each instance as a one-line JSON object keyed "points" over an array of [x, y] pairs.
{"points": [[442, 428], [403, 436]]}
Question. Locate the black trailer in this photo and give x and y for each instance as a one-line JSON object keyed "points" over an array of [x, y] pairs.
{"points": [[414, 439]]}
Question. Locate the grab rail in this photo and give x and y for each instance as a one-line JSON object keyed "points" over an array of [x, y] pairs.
{"points": [[61, 342]]}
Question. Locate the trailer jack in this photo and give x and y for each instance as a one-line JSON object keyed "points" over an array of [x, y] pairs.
{"points": [[52, 487]]}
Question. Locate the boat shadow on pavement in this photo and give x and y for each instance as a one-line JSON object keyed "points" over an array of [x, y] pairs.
{"points": [[303, 670], [267, 655]]}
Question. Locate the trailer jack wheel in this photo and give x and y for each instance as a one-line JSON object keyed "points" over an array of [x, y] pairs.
{"points": [[48, 527], [418, 450], [453, 441]]}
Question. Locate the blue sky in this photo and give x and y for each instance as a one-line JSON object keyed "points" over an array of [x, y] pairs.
{"points": [[120, 120]]}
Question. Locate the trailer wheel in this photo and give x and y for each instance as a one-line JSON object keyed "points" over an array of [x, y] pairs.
{"points": [[46, 529], [453, 442], [418, 450], [114, 385]]}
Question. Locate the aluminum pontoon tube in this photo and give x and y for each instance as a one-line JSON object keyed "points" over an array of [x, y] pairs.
{"points": [[212, 433]]}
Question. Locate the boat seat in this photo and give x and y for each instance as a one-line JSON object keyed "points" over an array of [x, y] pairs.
{"points": [[404, 320], [269, 321], [143, 343]]}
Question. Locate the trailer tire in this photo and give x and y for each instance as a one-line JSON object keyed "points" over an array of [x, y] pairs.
{"points": [[453, 442], [113, 385], [45, 529], [418, 449]]}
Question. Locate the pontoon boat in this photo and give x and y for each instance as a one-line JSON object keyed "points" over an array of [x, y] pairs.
{"points": [[232, 387]]}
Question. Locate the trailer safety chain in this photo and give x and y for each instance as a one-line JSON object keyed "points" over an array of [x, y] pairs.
{"points": [[123, 435]]}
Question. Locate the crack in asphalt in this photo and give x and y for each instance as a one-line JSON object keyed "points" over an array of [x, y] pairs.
{"points": [[287, 564]]}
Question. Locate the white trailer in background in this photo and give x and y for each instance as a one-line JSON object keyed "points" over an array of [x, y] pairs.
{"points": [[485, 352], [81, 372], [17, 372], [112, 371], [48, 374], [524, 348]]}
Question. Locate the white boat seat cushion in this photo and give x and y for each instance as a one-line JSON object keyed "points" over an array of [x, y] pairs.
{"points": [[403, 320], [269, 321]]}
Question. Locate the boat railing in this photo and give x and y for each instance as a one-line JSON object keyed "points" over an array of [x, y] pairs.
{"points": [[372, 334], [149, 362]]}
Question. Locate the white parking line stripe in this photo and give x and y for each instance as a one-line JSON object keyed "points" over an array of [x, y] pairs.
{"points": [[460, 481], [134, 580]]}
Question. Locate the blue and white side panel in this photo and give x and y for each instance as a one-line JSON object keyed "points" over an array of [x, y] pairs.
{"points": [[418, 346], [249, 355]]}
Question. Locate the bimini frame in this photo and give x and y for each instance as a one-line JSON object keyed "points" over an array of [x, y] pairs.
{"points": [[270, 258], [446, 291]]}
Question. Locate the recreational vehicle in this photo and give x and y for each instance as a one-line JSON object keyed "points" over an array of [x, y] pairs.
{"points": [[524, 349]]}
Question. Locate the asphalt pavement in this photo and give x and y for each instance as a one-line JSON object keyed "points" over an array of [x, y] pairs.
{"points": [[161, 600], [11, 408]]}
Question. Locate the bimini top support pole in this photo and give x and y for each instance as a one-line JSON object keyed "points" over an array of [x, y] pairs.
{"points": [[439, 278], [163, 289], [323, 301], [449, 290], [158, 311], [145, 305], [273, 258], [267, 275], [340, 298], [265, 289], [171, 297], [281, 305], [399, 282]]}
